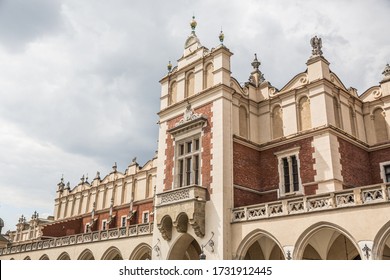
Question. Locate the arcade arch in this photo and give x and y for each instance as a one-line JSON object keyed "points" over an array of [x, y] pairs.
{"points": [[260, 245], [325, 241], [185, 248]]}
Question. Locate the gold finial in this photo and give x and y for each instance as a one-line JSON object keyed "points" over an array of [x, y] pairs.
{"points": [[221, 36], [169, 66], [193, 24]]}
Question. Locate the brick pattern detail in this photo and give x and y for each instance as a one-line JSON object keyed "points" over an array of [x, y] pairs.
{"points": [[207, 156], [355, 165], [259, 170], [244, 198], [62, 229], [376, 158]]}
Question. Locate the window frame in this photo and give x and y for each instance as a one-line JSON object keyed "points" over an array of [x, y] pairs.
{"points": [[104, 224], [286, 161], [383, 173], [123, 221], [145, 214], [87, 228], [188, 161]]}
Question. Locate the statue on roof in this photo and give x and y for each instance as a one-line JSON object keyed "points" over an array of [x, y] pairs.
{"points": [[316, 44], [386, 73]]}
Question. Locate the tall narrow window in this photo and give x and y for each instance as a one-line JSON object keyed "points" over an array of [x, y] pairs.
{"points": [[387, 173], [380, 125], [188, 162], [289, 177], [172, 97], [190, 84], [209, 76], [277, 122], [123, 221], [145, 217], [243, 122], [352, 119], [336, 110], [304, 113], [149, 187], [286, 175], [104, 225]]}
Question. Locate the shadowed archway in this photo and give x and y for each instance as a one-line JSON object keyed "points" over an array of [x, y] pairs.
{"points": [[185, 248]]}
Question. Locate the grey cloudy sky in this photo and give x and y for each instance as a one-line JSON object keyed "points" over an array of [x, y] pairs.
{"points": [[79, 79]]}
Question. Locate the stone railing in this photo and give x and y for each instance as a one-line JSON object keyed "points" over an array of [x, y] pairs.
{"points": [[96, 236], [181, 194], [335, 200]]}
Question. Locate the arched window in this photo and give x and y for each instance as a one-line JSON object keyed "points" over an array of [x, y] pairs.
{"points": [[243, 122], [134, 190], [149, 187], [380, 125], [304, 113], [209, 76], [190, 84], [353, 120], [277, 122], [336, 109], [172, 97]]}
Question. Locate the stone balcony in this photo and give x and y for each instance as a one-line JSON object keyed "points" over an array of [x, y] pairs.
{"points": [[180, 207], [96, 236], [361, 196]]}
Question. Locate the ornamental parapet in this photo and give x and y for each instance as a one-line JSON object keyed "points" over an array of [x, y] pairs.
{"points": [[360, 196], [96, 236]]}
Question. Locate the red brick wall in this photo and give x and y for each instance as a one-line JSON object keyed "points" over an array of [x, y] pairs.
{"points": [[246, 167], [355, 165], [377, 157], [63, 228], [259, 170], [206, 149], [244, 198]]}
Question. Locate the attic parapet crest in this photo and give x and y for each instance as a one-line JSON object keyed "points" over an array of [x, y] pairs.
{"points": [[316, 44], [190, 121], [189, 115]]}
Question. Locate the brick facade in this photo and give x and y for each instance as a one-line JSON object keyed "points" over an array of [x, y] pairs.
{"points": [[355, 164], [259, 170], [376, 157], [206, 144]]}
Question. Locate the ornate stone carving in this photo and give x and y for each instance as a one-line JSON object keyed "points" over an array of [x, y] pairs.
{"points": [[165, 228], [175, 196], [181, 223], [258, 212], [316, 44], [189, 115], [386, 73]]}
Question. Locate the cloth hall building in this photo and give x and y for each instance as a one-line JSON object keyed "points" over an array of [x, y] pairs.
{"points": [[242, 171]]}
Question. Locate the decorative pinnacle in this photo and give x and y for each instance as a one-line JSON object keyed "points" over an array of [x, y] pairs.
{"points": [[169, 66], [221, 37], [193, 24], [256, 64], [386, 72], [114, 167]]}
